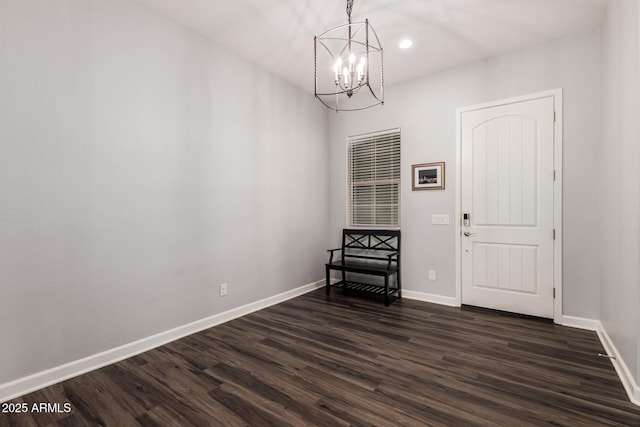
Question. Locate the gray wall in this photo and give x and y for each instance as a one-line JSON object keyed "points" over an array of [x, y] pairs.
{"points": [[140, 167], [620, 157], [425, 108]]}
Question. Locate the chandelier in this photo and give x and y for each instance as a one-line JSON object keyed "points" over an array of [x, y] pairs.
{"points": [[349, 73]]}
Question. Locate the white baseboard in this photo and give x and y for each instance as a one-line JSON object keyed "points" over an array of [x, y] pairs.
{"points": [[22, 386], [630, 386], [436, 299], [580, 323]]}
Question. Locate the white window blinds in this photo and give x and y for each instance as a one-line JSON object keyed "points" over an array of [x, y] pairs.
{"points": [[374, 179]]}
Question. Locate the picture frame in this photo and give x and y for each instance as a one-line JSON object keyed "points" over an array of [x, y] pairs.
{"points": [[427, 176]]}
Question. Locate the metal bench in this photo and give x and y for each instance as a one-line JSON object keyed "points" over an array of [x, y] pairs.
{"points": [[367, 252]]}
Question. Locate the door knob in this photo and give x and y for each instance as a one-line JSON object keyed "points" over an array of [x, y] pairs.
{"points": [[466, 233]]}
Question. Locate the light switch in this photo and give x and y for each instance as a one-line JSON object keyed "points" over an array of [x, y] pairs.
{"points": [[440, 219]]}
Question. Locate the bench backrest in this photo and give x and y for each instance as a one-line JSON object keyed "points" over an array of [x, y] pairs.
{"points": [[370, 244]]}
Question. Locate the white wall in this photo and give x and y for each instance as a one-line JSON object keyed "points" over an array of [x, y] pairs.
{"points": [[620, 158], [425, 108], [140, 167]]}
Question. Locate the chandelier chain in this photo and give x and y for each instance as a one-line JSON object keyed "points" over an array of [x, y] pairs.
{"points": [[349, 9]]}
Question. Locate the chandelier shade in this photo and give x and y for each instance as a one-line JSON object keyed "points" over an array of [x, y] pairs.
{"points": [[349, 72]]}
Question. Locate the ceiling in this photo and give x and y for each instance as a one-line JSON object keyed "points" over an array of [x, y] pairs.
{"points": [[278, 34]]}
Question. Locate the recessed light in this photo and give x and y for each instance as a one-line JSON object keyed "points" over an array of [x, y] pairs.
{"points": [[405, 44]]}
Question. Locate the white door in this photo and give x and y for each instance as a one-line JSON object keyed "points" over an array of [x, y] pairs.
{"points": [[507, 175]]}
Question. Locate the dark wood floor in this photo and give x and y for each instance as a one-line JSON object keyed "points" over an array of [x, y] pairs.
{"points": [[350, 361]]}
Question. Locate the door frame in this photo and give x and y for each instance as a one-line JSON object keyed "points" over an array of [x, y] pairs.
{"points": [[556, 94]]}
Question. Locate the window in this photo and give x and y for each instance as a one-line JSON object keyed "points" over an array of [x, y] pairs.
{"points": [[374, 179]]}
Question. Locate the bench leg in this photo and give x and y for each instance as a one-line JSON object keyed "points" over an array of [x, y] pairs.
{"points": [[386, 290], [327, 284], [399, 286], [344, 282]]}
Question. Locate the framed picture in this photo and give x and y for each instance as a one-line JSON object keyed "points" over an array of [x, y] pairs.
{"points": [[427, 176]]}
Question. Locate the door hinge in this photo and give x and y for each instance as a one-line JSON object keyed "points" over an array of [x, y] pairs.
{"points": [[554, 293], [554, 117], [554, 174], [554, 234]]}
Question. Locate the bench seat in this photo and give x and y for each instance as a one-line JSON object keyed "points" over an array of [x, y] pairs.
{"points": [[363, 267]]}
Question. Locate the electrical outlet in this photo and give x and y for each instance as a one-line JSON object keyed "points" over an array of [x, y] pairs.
{"points": [[223, 290], [432, 275]]}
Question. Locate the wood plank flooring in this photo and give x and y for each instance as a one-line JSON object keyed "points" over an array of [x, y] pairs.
{"points": [[345, 360]]}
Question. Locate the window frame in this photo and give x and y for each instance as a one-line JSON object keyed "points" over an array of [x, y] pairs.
{"points": [[394, 180]]}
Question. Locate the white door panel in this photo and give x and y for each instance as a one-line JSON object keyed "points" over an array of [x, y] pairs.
{"points": [[507, 189]]}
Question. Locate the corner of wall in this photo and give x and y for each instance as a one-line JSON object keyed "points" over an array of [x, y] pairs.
{"points": [[628, 381]]}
